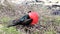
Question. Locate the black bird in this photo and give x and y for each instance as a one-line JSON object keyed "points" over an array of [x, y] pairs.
{"points": [[27, 20]]}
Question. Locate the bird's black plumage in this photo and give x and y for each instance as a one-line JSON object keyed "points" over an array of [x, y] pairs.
{"points": [[25, 21]]}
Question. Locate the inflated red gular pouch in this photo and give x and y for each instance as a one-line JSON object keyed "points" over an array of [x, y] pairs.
{"points": [[34, 16]]}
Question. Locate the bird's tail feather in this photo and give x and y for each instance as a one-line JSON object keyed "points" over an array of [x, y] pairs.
{"points": [[10, 25]]}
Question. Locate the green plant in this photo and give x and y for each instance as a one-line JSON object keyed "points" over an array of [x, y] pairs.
{"points": [[5, 20], [10, 30], [50, 32], [57, 20]]}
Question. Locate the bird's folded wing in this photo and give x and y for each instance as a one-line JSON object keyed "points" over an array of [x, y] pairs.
{"points": [[27, 21]]}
